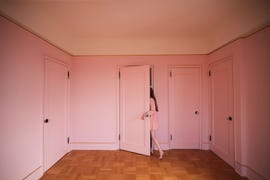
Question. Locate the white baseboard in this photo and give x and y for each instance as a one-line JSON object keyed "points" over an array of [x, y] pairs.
{"points": [[246, 171], [93, 146], [240, 169], [165, 146], [35, 174], [101, 146], [205, 146]]}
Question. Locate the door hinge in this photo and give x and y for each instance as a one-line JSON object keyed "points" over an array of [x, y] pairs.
{"points": [[171, 137], [68, 74], [209, 73], [210, 137], [119, 137], [170, 73], [119, 74], [68, 140]]}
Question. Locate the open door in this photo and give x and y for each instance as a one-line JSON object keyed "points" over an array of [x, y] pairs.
{"points": [[134, 101]]}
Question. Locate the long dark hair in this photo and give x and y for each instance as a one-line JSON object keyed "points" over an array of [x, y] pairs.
{"points": [[152, 95]]}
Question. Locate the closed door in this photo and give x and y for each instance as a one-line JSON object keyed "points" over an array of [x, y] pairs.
{"points": [[55, 111], [134, 101], [222, 134], [184, 107]]}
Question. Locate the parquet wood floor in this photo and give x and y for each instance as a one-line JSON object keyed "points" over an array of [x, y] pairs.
{"points": [[123, 165]]}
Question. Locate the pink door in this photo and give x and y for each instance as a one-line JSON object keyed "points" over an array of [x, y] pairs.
{"points": [[184, 107], [55, 112], [222, 134], [134, 101]]}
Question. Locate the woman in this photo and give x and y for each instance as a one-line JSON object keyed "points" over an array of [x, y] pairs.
{"points": [[153, 113]]}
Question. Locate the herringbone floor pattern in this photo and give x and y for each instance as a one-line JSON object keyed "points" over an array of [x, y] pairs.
{"points": [[123, 165]]}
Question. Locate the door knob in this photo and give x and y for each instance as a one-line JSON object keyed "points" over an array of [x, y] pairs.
{"points": [[46, 120], [196, 112], [229, 118]]}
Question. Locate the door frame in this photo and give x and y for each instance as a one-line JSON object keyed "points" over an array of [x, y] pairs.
{"points": [[67, 128], [170, 67], [218, 61]]}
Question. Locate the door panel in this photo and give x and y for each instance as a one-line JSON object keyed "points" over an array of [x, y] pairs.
{"points": [[55, 109], [221, 109], [184, 87], [134, 101]]}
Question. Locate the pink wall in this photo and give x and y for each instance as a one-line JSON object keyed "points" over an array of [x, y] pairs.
{"points": [[94, 100], [251, 102], [257, 89], [21, 106]]}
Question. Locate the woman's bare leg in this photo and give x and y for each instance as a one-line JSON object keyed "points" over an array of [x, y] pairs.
{"points": [[152, 147], [153, 136]]}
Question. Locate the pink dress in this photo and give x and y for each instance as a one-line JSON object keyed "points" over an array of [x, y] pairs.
{"points": [[153, 115]]}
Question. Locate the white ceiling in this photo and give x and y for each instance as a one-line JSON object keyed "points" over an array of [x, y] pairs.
{"points": [[138, 27]]}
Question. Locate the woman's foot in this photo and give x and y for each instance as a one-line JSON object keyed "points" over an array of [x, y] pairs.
{"points": [[161, 155]]}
